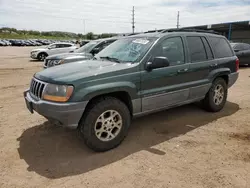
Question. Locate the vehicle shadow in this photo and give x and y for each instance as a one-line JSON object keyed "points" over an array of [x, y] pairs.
{"points": [[54, 152], [35, 60]]}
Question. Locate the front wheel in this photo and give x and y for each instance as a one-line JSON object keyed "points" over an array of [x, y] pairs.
{"points": [[105, 124], [217, 96], [42, 56]]}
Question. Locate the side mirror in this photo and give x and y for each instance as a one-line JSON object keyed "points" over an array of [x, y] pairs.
{"points": [[236, 50], [158, 62]]}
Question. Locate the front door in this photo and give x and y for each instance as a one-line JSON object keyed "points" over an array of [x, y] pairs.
{"points": [[168, 85]]}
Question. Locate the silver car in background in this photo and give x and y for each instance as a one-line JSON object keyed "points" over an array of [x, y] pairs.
{"points": [[55, 48], [85, 52]]}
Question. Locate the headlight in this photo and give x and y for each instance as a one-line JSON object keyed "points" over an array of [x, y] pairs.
{"points": [[57, 93]]}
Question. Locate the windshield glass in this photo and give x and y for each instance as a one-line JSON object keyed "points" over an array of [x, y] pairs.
{"points": [[87, 47], [127, 50]]}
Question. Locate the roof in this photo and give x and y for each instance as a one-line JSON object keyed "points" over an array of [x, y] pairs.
{"points": [[159, 34]]}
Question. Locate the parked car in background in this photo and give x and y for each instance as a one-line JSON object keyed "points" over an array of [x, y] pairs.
{"points": [[134, 76], [85, 52], [55, 48], [2, 43], [242, 50], [83, 42]]}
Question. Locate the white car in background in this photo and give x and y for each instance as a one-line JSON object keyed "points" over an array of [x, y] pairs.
{"points": [[55, 48]]}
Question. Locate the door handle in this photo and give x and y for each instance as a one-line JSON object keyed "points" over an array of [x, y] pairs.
{"points": [[182, 70], [214, 65]]}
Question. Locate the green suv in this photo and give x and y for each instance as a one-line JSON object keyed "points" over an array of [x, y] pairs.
{"points": [[134, 76]]}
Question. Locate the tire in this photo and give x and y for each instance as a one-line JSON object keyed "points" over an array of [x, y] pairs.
{"points": [[209, 103], [96, 126], [42, 56]]}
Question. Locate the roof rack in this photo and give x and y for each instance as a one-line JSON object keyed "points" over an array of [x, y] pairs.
{"points": [[190, 30], [153, 31]]}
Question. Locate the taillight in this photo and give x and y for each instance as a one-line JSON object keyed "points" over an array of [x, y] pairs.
{"points": [[237, 64]]}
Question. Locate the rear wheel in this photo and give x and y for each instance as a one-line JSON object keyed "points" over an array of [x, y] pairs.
{"points": [[105, 124], [42, 56], [216, 97]]}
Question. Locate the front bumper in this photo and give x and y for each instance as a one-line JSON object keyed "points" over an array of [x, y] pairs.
{"points": [[232, 78], [66, 114], [33, 55]]}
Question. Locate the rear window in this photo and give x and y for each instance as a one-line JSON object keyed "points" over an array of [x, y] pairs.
{"points": [[221, 47]]}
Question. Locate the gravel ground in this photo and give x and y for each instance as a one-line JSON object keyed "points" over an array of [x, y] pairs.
{"points": [[181, 147]]}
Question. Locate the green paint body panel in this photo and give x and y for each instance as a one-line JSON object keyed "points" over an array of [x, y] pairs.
{"points": [[148, 90]]}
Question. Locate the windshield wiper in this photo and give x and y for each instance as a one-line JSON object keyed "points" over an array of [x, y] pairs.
{"points": [[111, 59]]}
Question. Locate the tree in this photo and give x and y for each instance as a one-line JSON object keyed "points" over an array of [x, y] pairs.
{"points": [[90, 35]]}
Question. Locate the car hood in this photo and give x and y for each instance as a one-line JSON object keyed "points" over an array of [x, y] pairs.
{"points": [[67, 55], [87, 70]]}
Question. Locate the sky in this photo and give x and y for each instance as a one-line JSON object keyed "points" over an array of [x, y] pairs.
{"points": [[113, 16]]}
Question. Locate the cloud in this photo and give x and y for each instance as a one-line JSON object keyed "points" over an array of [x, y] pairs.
{"points": [[102, 16]]}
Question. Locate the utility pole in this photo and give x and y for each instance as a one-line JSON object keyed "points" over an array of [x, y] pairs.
{"points": [[178, 20], [133, 20]]}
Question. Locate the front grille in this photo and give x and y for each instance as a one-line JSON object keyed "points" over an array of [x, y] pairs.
{"points": [[36, 88], [51, 62]]}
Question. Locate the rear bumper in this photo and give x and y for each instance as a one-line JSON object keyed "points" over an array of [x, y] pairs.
{"points": [[232, 78], [65, 114]]}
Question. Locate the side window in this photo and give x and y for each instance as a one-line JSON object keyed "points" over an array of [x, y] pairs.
{"points": [[67, 45], [52, 46], [196, 49], [208, 48], [221, 47], [104, 45], [171, 48], [59, 46], [107, 43], [63, 45]]}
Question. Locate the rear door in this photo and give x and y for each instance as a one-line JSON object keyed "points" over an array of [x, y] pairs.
{"points": [[202, 62]]}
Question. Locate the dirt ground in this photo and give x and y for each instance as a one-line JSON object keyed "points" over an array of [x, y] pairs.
{"points": [[181, 147]]}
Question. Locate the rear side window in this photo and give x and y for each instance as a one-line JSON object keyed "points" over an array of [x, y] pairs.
{"points": [[196, 49], [221, 47]]}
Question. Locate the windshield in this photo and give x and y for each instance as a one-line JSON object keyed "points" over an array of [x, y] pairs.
{"points": [[127, 50], [87, 47]]}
